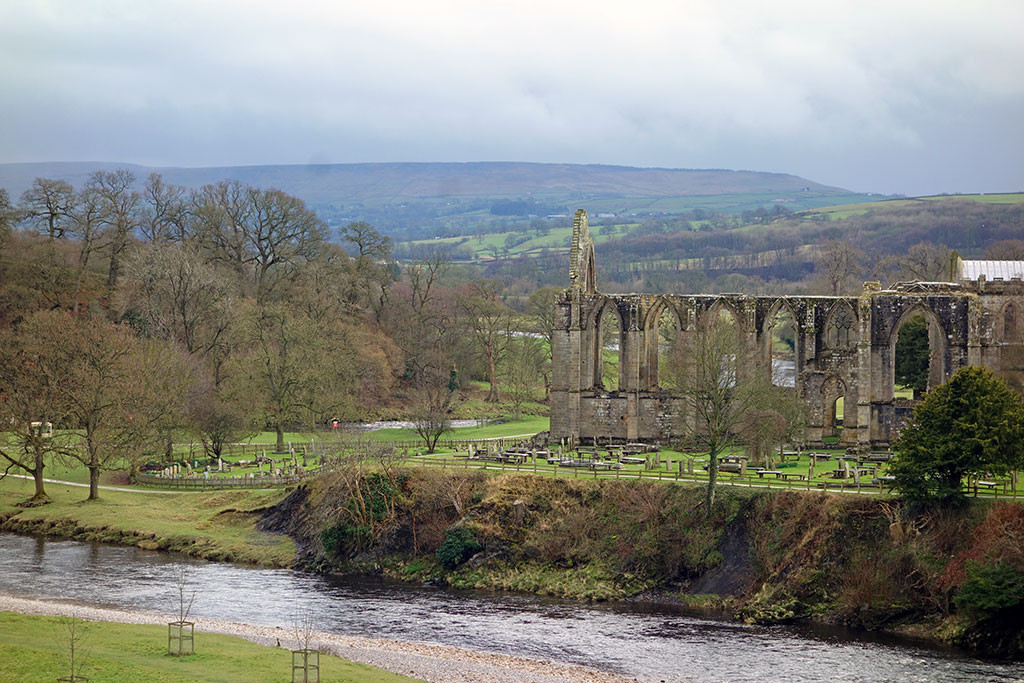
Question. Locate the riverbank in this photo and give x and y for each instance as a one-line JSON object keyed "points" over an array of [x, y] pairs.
{"points": [[766, 557], [435, 663], [219, 526]]}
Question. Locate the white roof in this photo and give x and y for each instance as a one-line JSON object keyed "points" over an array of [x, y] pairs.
{"points": [[972, 270]]}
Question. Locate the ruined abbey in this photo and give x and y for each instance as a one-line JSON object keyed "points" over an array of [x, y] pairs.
{"points": [[843, 347]]}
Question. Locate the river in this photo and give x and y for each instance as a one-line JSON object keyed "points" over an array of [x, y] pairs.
{"points": [[646, 641]]}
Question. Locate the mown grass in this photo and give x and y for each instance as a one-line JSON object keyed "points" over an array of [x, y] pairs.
{"points": [[31, 650], [216, 525], [528, 425]]}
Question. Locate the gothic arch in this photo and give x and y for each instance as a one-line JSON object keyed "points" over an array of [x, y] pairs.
{"points": [[938, 367], [841, 330], [832, 389], [650, 375], [608, 307]]}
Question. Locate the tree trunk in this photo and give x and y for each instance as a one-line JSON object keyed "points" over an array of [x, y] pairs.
{"points": [[279, 428], [709, 499], [492, 395], [37, 477], [94, 483]]}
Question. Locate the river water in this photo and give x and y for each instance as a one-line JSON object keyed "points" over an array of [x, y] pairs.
{"points": [[649, 642]]}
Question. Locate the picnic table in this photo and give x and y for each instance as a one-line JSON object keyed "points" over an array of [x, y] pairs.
{"points": [[990, 485]]}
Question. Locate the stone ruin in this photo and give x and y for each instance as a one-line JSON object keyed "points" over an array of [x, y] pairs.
{"points": [[844, 347]]}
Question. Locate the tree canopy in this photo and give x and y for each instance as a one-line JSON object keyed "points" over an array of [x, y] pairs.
{"points": [[971, 425]]}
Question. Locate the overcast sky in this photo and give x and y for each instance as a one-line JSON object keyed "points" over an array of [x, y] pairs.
{"points": [[894, 96]]}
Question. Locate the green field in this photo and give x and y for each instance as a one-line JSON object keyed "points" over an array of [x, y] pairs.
{"points": [[846, 210], [217, 525], [31, 649]]}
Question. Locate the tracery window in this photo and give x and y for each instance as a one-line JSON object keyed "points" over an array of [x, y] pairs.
{"points": [[840, 324]]}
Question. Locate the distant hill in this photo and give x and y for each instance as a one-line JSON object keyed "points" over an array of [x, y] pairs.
{"points": [[425, 200], [397, 181]]}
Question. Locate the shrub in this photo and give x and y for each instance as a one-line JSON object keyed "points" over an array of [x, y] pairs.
{"points": [[459, 545], [991, 588]]}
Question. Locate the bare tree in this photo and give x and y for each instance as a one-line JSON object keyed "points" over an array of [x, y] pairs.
{"points": [[266, 232], [86, 214], [186, 596], [489, 323], [374, 268], [837, 263], [711, 369], [32, 383], [178, 297], [9, 216], [164, 211], [1006, 250], [71, 635], [186, 593], [47, 203], [520, 372], [434, 401], [923, 261], [119, 204]]}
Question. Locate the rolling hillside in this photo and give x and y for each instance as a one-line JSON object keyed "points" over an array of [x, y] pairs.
{"points": [[398, 181]]}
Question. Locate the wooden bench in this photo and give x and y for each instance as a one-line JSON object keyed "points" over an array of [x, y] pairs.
{"points": [[761, 473], [792, 475]]}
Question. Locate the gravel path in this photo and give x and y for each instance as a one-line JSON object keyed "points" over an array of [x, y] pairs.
{"points": [[438, 663]]}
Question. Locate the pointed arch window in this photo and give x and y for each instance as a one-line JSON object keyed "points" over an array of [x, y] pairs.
{"points": [[840, 325]]}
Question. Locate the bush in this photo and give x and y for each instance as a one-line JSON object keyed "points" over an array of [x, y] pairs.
{"points": [[459, 545], [991, 588]]}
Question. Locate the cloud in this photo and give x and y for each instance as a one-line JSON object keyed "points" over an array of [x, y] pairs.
{"points": [[803, 87]]}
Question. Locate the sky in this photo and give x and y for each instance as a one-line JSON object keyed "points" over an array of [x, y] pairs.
{"points": [[907, 97]]}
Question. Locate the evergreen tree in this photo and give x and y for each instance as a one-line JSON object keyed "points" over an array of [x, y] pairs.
{"points": [[971, 425]]}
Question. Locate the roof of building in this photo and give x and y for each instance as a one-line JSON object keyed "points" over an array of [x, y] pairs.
{"points": [[972, 270]]}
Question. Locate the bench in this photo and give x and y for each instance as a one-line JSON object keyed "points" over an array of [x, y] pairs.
{"points": [[761, 473], [792, 475]]}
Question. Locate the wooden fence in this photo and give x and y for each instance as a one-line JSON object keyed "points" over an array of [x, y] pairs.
{"points": [[865, 485]]}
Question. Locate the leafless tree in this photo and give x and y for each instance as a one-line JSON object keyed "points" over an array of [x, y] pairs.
{"points": [[837, 263], [119, 205], [164, 211], [185, 592], [924, 261], [1006, 250], [711, 369], [489, 323], [266, 232], [47, 203], [520, 371], [71, 635], [31, 384]]}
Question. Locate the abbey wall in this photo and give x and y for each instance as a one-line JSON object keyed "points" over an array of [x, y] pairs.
{"points": [[843, 347]]}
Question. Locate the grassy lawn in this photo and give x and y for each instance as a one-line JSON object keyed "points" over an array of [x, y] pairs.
{"points": [[30, 650], [528, 425], [217, 525]]}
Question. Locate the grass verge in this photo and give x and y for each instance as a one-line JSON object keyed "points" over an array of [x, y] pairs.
{"points": [[30, 650], [214, 525]]}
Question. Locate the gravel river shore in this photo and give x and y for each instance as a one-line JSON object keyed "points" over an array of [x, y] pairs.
{"points": [[436, 663]]}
